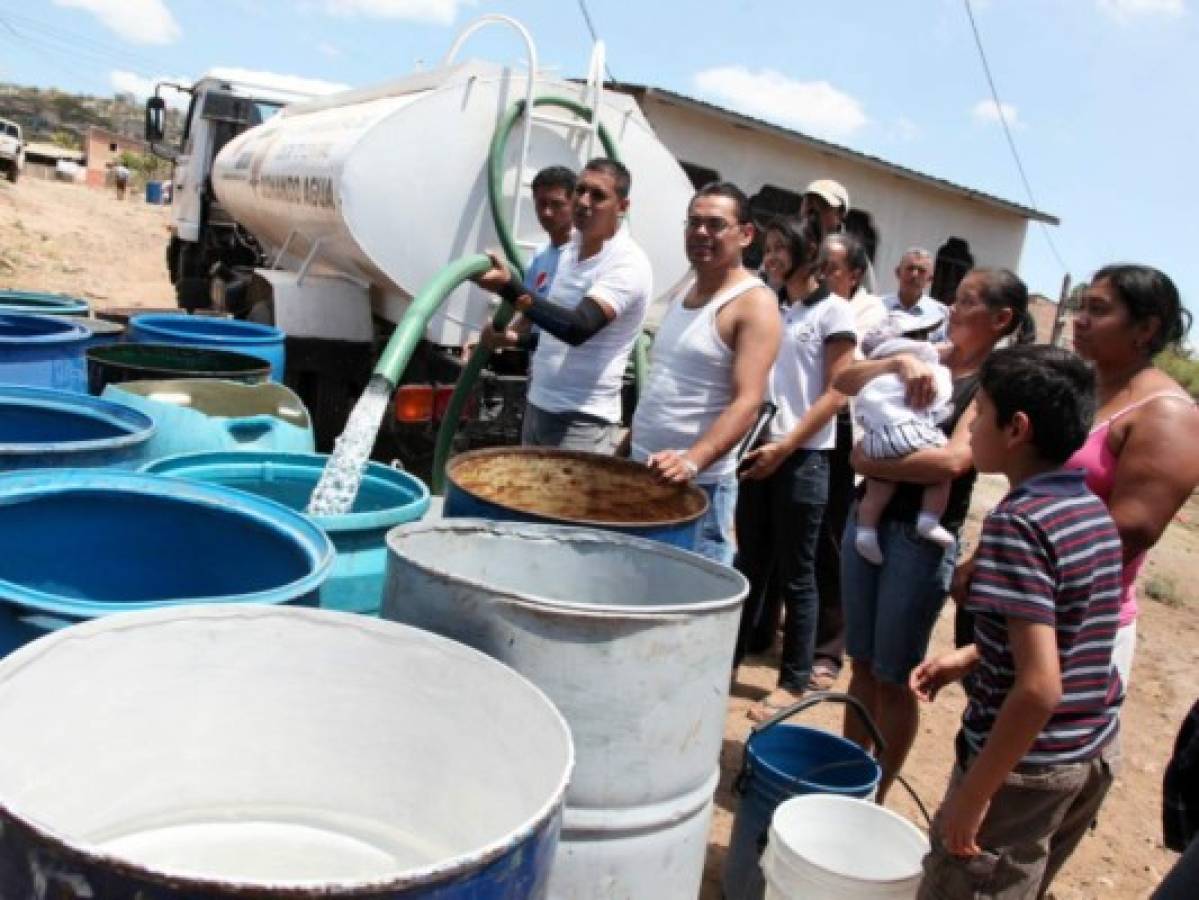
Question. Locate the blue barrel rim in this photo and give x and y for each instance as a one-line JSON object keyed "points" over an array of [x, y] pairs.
{"points": [[588, 458], [177, 466], [26, 485], [761, 764], [443, 872], [68, 401], [568, 534], [59, 330], [231, 331], [45, 301]]}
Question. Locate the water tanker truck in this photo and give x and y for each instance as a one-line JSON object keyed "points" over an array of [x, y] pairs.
{"points": [[329, 216]]}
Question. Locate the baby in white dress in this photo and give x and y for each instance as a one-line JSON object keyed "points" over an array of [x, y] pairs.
{"points": [[892, 429]]}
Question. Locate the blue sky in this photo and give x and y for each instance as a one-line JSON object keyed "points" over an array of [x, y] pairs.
{"points": [[1100, 93]]}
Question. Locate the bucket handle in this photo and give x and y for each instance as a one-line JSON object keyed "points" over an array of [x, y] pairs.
{"points": [[813, 699], [818, 697], [250, 428]]}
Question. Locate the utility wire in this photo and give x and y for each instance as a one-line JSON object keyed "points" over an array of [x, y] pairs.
{"points": [[595, 37], [1007, 132]]}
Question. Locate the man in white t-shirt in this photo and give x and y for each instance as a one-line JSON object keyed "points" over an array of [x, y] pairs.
{"points": [[589, 321], [914, 274]]}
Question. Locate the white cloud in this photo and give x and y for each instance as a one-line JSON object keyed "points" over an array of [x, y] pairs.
{"points": [[137, 21], [987, 112], [814, 106], [327, 50], [439, 12], [293, 83], [1123, 10], [141, 88]]}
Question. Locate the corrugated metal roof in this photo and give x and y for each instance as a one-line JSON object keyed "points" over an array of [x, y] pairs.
{"points": [[668, 96]]}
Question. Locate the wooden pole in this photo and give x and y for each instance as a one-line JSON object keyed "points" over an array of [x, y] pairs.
{"points": [[1059, 321]]}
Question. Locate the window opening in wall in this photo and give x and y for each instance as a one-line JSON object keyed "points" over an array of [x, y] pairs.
{"points": [[954, 260], [699, 175], [860, 224], [769, 203]]}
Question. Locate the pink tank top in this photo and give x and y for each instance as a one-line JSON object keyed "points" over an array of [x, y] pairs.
{"points": [[1100, 464]]}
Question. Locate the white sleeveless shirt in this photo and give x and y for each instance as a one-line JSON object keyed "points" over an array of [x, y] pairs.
{"points": [[690, 382]]}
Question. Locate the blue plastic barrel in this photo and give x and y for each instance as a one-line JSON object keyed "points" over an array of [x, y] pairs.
{"points": [[42, 351], [386, 498], [84, 543], [206, 415], [263, 341], [782, 761], [42, 303], [42, 428], [562, 487], [275, 753], [154, 192]]}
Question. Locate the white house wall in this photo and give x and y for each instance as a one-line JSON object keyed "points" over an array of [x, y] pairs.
{"points": [[905, 212]]}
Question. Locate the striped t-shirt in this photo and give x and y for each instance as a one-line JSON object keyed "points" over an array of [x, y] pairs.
{"points": [[1049, 553]]}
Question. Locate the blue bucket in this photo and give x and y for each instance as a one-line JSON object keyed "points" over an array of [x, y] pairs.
{"points": [[42, 351], [154, 192], [562, 487], [41, 428], [386, 498], [264, 341], [783, 761], [80, 544], [41, 303]]}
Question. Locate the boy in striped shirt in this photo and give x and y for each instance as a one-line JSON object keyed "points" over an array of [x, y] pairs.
{"points": [[1041, 719]]}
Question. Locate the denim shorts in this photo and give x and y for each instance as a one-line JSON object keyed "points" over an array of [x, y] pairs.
{"points": [[890, 610]]}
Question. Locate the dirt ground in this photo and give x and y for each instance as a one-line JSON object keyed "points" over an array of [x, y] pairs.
{"points": [[81, 241]]}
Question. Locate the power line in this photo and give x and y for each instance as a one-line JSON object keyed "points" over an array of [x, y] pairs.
{"points": [[595, 36], [1007, 132]]}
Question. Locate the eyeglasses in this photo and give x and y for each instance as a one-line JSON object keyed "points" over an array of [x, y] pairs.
{"points": [[714, 226]]}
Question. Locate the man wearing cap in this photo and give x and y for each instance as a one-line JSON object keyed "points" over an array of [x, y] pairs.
{"points": [[827, 201], [914, 274]]}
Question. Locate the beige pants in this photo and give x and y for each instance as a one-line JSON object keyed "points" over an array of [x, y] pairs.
{"points": [[1033, 825]]}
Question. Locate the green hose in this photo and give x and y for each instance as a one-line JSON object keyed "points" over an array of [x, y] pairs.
{"points": [[411, 329], [495, 166], [503, 316]]}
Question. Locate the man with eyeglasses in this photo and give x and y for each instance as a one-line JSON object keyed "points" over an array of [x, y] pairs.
{"points": [[590, 318], [711, 361]]}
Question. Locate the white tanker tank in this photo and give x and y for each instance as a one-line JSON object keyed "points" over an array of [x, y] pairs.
{"points": [[381, 188]]}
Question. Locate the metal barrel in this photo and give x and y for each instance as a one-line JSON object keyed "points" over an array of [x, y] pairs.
{"points": [[273, 753], [633, 641], [565, 487]]}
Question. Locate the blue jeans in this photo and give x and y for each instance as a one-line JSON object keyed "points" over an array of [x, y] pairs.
{"points": [[890, 610], [715, 537], [778, 524]]}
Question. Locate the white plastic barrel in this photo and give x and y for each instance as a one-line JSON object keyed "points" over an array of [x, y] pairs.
{"points": [[826, 847], [231, 751]]}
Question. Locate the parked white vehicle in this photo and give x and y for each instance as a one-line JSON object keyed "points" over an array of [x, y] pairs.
{"points": [[12, 149]]}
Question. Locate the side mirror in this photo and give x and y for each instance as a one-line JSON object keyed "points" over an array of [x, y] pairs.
{"points": [[156, 109]]}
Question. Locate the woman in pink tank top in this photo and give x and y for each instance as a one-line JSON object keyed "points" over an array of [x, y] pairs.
{"points": [[1140, 457]]}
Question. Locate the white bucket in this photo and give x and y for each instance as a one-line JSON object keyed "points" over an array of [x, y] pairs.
{"points": [[825, 847]]}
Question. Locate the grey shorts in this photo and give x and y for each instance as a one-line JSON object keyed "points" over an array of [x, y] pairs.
{"points": [[567, 431], [895, 441]]}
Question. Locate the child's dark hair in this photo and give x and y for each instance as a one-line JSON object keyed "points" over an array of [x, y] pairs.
{"points": [[1052, 387], [1149, 293]]}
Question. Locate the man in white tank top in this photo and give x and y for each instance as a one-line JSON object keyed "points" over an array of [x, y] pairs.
{"points": [[710, 364]]}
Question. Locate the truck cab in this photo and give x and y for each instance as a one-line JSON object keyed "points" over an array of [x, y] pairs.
{"points": [[12, 149], [203, 235]]}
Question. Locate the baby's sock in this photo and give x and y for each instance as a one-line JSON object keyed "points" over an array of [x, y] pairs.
{"points": [[866, 542], [929, 526]]}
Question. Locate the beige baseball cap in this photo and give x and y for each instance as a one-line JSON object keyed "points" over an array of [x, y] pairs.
{"points": [[832, 192]]}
